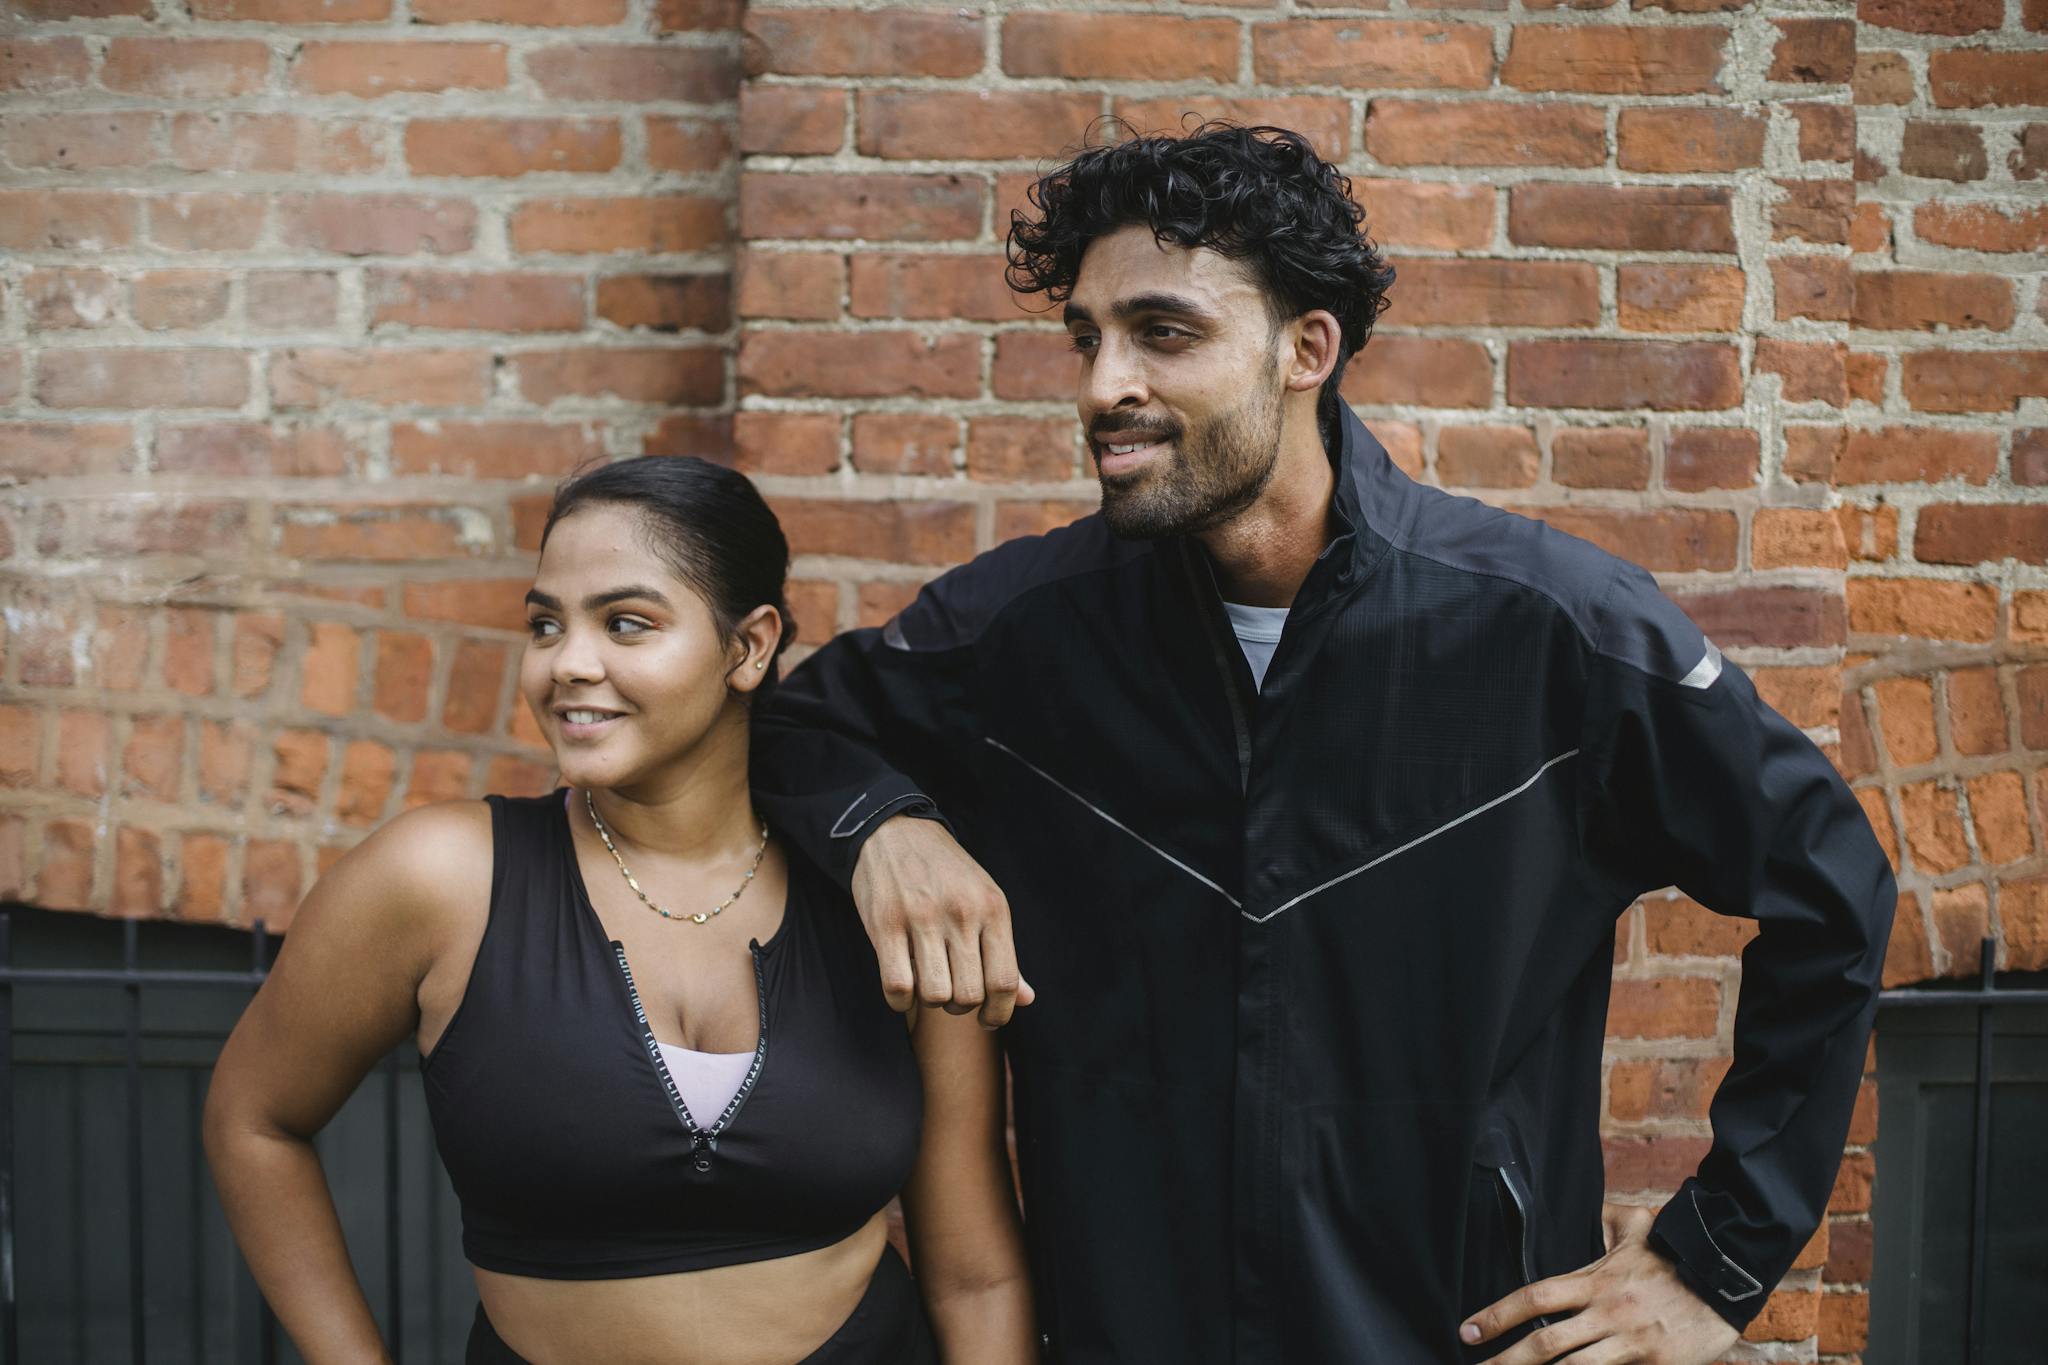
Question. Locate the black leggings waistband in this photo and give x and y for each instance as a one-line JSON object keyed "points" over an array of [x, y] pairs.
{"points": [[887, 1327]]}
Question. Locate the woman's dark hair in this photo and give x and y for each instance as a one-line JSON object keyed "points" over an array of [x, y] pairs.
{"points": [[706, 522], [1258, 195]]}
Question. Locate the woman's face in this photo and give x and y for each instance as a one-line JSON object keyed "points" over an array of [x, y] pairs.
{"points": [[625, 668]]}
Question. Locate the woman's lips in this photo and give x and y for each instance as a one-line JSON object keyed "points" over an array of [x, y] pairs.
{"points": [[586, 729]]}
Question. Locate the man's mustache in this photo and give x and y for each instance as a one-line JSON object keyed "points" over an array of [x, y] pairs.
{"points": [[1106, 434]]}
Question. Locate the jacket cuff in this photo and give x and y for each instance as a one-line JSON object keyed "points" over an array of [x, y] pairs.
{"points": [[867, 813], [1682, 1235]]}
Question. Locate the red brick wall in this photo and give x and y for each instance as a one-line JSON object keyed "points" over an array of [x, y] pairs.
{"points": [[1748, 290]]}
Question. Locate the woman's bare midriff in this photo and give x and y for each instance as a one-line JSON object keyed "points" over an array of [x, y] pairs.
{"points": [[761, 1313]]}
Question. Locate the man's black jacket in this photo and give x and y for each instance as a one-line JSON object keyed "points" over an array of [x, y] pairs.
{"points": [[1322, 972]]}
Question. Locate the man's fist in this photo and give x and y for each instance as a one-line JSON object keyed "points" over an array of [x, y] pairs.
{"points": [[940, 925]]}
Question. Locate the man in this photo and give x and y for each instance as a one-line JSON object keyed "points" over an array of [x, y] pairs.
{"points": [[1317, 794]]}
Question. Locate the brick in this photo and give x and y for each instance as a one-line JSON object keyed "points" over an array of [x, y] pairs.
{"points": [[931, 286], [437, 775], [1818, 211], [699, 302], [166, 300], [1125, 47], [65, 880], [1615, 59], [206, 221], [1806, 696], [202, 877], [905, 443], [475, 677], [1489, 456], [804, 285], [1858, 757], [1658, 1163], [1324, 121], [1664, 1088], [1905, 713], [1976, 78], [1040, 365], [689, 376], [879, 603], [1403, 442], [875, 207], [1976, 711], [1953, 18], [85, 9], [403, 672], [1962, 921], [1882, 78], [480, 301], [671, 223], [1481, 133], [1972, 381], [1480, 293], [971, 124], [250, 450], [1600, 457], [533, 13], [2029, 456], [271, 881], [1923, 608], [1982, 227], [1813, 51], [142, 378], [299, 761], [2023, 924], [367, 769], [792, 120], [685, 16], [1850, 1259], [315, 376], [36, 450], [71, 299], [328, 669], [1681, 140], [371, 70], [1817, 287], [44, 66], [798, 443], [235, 141], [258, 638], [517, 777], [1796, 537], [1373, 54], [120, 643], [1663, 540], [511, 146], [1942, 151], [1933, 828], [378, 224], [1998, 814], [289, 300], [1021, 449], [1664, 1007], [154, 757], [391, 533], [188, 651], [185, 68], [293, 11], [1864, 373], [1680, 298], [21, 746], [1900, 454], [893, 532], [1809, 371], [1788, 1315], [107, 140], [1974, 534], [684, 144], [84, 755], [1428, 371], [1663, 375], [859, 365], [1432, 215], [485, 603], [862, 43], [1786, 617], [640, 73], [1622, 217], [1827, 132]]}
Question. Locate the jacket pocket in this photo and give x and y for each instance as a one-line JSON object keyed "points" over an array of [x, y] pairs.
{"points": [[1500, 1227]]}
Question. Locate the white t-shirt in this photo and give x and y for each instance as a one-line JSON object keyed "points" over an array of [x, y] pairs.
{"points": [[1258, 632]]}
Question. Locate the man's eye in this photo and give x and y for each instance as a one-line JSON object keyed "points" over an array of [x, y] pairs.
{"points": [[540, 627], [1083, 344], [1162, 332]]}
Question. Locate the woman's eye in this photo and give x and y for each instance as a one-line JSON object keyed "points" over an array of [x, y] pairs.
{"points": [[541, 627], [627, 625]]}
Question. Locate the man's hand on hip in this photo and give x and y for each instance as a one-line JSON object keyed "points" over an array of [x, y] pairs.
{"points": [[1629, 1305], [940, 925]]}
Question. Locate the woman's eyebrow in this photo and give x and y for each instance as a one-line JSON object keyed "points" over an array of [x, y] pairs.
{"points": [[536, 597]]}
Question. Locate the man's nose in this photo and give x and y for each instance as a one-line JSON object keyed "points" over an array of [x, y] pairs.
{"points": [[1111, 379]]}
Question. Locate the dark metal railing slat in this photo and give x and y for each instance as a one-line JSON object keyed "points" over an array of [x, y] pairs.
{"points": [[394, 1237], [1980, 1162], [138, 1326], [10, 1324]]}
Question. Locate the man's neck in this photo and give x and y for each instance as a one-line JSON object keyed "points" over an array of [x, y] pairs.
{"points": [[1263, 554]]}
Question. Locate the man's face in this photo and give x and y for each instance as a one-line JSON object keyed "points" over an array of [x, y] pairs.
{"points": [[1180, 386]]}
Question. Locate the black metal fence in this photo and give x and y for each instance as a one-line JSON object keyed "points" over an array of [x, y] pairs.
{"points": [[100, 1038]]}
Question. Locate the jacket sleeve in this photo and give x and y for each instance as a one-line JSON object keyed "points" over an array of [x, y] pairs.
{"points": [[1695, 781], [863, 730]]}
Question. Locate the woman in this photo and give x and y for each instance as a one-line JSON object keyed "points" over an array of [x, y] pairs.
{"points": [[661, 1073]]}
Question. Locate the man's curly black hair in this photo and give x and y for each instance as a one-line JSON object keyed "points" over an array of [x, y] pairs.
{"points": [[1259, 195]]}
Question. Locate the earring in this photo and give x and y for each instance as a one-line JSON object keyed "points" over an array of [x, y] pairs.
{"points": [[761, 665]]}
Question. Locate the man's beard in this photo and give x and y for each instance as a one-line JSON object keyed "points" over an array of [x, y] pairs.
{"points": [[1209, 475]]}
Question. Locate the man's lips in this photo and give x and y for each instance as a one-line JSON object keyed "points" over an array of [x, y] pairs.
{"points": [[1121, 452]]}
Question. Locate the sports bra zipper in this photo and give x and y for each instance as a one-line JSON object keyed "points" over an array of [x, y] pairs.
{"points": [[703, 1141]]}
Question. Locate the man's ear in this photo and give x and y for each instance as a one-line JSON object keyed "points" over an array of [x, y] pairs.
{"points": [[1315, 339], [755, 640]]}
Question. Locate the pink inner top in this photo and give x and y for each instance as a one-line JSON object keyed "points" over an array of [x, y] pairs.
{"points": [[707, 1081]]}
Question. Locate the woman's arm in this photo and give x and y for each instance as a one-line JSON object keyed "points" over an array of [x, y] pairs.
{"points": [[343, 993], [966, 1240]]}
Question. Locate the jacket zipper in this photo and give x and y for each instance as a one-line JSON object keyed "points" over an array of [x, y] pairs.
{"points": [[703, 1141], [1210, 611], [1518, 1191]]}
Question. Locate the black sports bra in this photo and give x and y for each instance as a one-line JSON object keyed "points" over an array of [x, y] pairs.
{"points": [[571, 1151]]}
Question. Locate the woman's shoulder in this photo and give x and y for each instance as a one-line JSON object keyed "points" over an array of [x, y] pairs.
{"points": [[434, 858]]}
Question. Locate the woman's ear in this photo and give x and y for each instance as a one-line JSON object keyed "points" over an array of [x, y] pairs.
{"points": [[755, 640]]}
